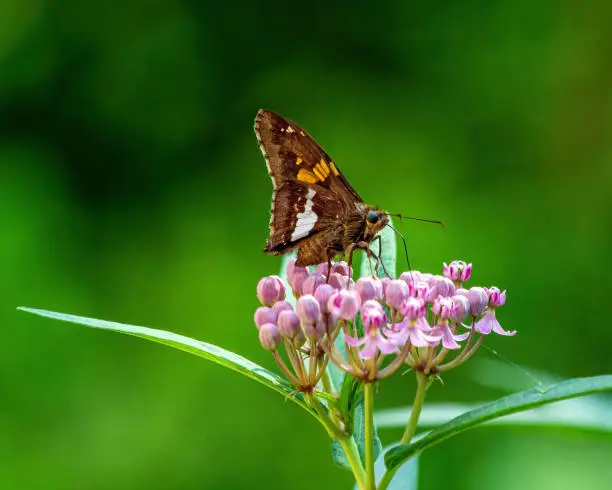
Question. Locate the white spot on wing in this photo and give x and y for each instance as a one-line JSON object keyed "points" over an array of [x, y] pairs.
{"points": [[306, 219]]}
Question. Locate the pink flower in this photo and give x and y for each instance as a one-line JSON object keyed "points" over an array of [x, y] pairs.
{"points": [[342, 268], [443, 307], [458, 271], [411, 277], [270, 290], [443, 286], [423, 291], [478, 299], [462, 307], [396, 293], [369, 288], [373, 318], [344, 304], [269, 336], [496, 297], [264, 315], [312, 282], [489, 323], [372, 314], [323, 293], [288, 324], [414, 327], [308, 309], [442, 332], [338, 281]]}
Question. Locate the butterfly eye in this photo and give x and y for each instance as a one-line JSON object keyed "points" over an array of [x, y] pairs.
{"points": [[372, 217]]}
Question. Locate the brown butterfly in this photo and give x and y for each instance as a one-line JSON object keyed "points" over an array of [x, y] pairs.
{"points": [[314, 209]]}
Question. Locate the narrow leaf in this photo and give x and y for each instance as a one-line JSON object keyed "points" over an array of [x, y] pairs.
{"points": [[210, 352], [590, 413], [514, 403]]}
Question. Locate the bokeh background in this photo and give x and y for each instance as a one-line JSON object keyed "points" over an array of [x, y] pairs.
{"points": [[132, 189]]}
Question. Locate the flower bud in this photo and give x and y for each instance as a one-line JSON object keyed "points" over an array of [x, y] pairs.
{"points": [[338, 281], [396, 293], [344, 304], [269, 336], [443, 286], [264, 315], [293, 269], [308, 309], [496, 297], [478, 299], [411, 277], [297, 282], [443, 307], [288, 324], [281, 306], [342, 268], [372, 314], [369, 288], [323, 269], [462, 307], [322, 294], [270, 289], [312, 282]]}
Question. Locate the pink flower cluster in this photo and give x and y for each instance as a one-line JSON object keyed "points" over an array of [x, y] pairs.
{"points": [[418, 317]]}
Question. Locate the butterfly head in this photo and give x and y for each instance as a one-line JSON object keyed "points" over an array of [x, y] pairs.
{"points": [[375, 220]]}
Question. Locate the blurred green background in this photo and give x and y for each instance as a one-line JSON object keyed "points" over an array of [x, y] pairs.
{"points": [[132, 189]]}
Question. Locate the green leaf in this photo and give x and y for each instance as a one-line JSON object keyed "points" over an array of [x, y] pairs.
{"points": [[388, 254], [517, 402], [588, 413], [202, 349], [358, 434]]}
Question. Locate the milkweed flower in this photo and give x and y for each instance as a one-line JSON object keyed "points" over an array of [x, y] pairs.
{"points": [[373, 318], [488, 323], [417, 320]]}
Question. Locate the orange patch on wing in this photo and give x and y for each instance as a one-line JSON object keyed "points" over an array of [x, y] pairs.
{"points": [[324, 168], [307, 176], [318, 173], [334, 169], [298, 161]]}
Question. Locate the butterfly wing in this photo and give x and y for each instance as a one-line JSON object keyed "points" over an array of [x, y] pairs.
{"points": [[311, 196]]}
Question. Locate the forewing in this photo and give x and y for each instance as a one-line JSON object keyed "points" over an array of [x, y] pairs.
{"points": [[291, 154]]}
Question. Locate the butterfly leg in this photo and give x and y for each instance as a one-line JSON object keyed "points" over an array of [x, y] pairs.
{"points": [[377, 258], [365, 246], [329, 261]]}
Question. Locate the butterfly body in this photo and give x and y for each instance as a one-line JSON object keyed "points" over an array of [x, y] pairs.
{"points": [[314, 209]]}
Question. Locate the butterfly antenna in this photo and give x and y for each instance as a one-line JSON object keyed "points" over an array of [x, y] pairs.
{"points": [[435, 221], [404, 242]]}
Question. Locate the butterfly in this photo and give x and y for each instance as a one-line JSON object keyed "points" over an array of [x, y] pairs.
{"points": [[314, 209]]}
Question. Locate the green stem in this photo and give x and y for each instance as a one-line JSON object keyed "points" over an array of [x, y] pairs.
{"points": [[369, 436], [332, 429], [417, 406], [352, 454]]}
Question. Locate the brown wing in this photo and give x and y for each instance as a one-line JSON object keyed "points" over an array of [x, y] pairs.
{"points": [[291, 154], [310, 193]]}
